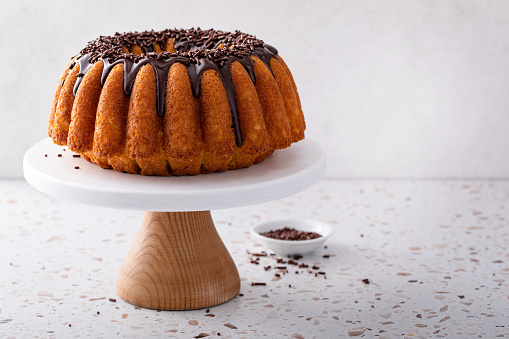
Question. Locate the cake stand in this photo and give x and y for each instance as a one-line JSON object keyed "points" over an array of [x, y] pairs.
{"points": [[178, 261]]}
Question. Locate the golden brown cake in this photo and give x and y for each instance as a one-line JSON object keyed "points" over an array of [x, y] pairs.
{"points": [[176, 102]]}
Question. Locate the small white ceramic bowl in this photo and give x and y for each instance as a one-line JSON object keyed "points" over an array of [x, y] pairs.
{"points": [[288, 247]]}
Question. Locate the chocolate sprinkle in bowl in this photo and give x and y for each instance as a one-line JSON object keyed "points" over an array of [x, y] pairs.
{"points": [[292, 236]]}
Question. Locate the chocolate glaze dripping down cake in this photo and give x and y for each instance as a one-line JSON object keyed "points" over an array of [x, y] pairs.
{"points": [[196, 48]]}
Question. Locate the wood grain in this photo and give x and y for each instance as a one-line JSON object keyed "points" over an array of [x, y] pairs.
{"points": [[178, 262]]}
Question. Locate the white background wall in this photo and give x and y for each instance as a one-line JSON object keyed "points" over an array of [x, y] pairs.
{"points": [[390, 88]]}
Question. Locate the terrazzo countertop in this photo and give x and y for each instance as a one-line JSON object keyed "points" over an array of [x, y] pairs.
{"points": [[414, 259]]}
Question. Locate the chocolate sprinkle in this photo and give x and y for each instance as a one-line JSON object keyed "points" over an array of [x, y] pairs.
{"points": [[263, 254], [290, 234], [197, 49]]}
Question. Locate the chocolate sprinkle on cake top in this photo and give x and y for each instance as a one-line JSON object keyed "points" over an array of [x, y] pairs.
{"points": [[193, 44]]}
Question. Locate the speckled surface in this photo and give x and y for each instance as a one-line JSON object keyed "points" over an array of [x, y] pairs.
{"points": [[435, 255]]}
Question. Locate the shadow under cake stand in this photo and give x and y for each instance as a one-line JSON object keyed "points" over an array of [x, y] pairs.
{"points": [[178, 261]]}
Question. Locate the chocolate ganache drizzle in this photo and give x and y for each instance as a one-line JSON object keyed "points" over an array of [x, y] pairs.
{"points": [[197, 49]]}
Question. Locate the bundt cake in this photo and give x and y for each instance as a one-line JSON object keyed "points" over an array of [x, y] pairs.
{"points": [[176, 102]]}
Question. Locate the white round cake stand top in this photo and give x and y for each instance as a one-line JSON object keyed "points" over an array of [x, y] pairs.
{"points": [[284, 173]]}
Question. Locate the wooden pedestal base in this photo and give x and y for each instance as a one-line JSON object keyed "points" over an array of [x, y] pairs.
{"points": [[178, 262]]}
